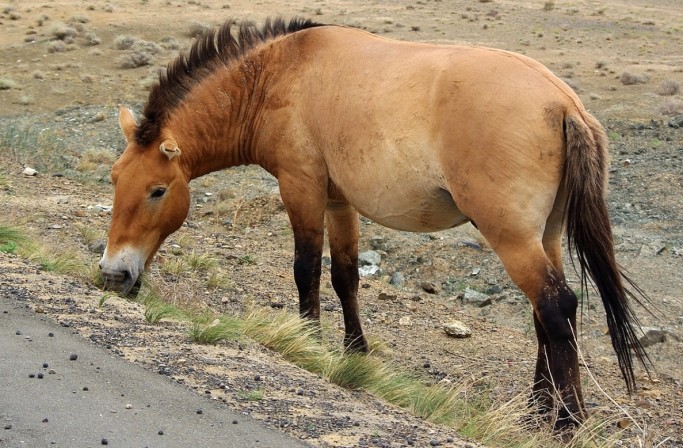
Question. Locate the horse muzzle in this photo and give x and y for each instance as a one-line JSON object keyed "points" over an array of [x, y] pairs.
{"points": [[122, 273], [120, 281]]}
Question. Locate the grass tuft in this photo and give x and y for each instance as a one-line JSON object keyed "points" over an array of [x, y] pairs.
{"points": [[211, 333]]}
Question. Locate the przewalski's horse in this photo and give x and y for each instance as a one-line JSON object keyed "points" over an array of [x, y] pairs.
{"points": [[415, 137]]}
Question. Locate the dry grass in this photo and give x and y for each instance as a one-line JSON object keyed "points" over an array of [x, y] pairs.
{"points": [[671, 107], [7, 84], [628, 79], [668, 87]]}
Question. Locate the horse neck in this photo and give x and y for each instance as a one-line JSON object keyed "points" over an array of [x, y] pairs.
{"points": [[215, 124]]}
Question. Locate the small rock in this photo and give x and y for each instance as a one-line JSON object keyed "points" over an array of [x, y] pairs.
{"points": [[368, 271], [379, 243], [653, 249], [651, 336], [385, 296], [97, 247], [28, 171], [471, 244], [405, 321], [397, 279], [457, 329], [429, 287], [624, 423], [472, 297], [129, 406], [102, 208], [493, 289], [369, 258], [73, 357]]}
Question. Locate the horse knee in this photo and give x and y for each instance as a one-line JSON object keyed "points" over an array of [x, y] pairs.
{"points": [[555, 308]]}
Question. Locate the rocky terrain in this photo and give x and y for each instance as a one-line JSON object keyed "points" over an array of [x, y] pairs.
{"points": [[64, 66]]}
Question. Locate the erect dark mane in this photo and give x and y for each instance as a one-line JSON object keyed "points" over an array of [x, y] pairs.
{"points": [[215, 49]]}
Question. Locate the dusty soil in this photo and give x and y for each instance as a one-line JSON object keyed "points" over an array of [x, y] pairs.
{"points": [[63, 72]]}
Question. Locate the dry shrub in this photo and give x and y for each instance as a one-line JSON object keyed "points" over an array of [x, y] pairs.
{"points": [[92, 39], [146, 46], [124, 42], [169, 43], [628, 79], [136, 59], [668, 87], [79, 18], [7, 84], [671, 107], [198, 28], [56, 46], [63, 32]]}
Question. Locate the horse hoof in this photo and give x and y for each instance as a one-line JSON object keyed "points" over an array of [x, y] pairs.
{"points": [[356, 345]]}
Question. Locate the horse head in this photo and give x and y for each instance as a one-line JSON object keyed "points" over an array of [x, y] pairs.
{"points": [[151, 201]]}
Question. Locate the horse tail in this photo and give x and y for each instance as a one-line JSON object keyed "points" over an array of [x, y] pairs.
{"points": [[589, 237]]}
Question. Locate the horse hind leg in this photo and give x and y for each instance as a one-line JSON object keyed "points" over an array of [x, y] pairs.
{"points": [[554, 305], [342, 228], [543, 389]]}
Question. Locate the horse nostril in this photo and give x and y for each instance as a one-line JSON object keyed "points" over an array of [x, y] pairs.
{"points": [[115, 276]]}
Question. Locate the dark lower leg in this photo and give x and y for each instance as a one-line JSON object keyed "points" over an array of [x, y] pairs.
{"points": [[342, 225], [556, 311], [345, 283], [542, 394], [307, 260]]}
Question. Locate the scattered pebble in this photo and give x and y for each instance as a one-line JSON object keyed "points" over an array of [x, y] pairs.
{"points": [[457, 329], [73, 357], [104, 442]]}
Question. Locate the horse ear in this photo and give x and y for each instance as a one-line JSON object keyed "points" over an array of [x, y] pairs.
{"points": [[127, 123], [169, 148]]}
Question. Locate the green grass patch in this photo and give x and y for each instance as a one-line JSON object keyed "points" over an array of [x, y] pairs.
{"points": [[200, 262], [221, 329], [10, 238], [246, 259]]}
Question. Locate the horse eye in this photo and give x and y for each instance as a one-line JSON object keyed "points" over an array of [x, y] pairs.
{"points": [[158, 192]]}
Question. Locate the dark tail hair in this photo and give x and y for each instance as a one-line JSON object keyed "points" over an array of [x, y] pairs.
{"points": [[589, 236]]}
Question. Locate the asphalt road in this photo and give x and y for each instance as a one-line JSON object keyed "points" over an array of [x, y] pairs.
{"points": [[99, 399]]}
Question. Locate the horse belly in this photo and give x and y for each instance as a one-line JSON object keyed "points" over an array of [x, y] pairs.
{"points": [[410, 209]]}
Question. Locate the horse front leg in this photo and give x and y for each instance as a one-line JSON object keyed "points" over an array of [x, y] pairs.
{"points": [[307, 260], [306, 215], [342, 227]]}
